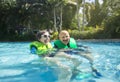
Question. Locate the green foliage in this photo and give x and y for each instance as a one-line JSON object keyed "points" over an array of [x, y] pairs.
{"points": [[38, 14], [95, 13], [89, 33], [69, 12], [112, 27], [74, 24], [54, 36]]}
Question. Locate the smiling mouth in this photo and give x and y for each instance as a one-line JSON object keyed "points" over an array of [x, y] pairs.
{"points": [[65, 41], [46, 41]]}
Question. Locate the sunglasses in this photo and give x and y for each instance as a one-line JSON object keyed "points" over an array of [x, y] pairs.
{"points": [[46, 36]]}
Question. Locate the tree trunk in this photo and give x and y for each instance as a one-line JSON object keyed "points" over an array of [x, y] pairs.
{"points": [[60, 17], [55, 20]]}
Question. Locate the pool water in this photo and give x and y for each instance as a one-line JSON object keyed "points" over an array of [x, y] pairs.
{"points": [[17, 64]]}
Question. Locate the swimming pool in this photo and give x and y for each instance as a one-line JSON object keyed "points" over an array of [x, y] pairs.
{"points": [[18, 65]]}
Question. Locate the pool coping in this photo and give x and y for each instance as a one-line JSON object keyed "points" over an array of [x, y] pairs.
{"points": [[99, 40]]}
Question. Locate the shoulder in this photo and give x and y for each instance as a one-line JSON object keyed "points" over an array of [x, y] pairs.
{"points": [[50, 45], [56, 41], [35, 43], [72, 40]]}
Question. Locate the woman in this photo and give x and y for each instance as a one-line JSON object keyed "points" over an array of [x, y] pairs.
{"points": [[42, 46]]}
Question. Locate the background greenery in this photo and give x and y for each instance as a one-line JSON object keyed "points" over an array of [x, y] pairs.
{"points": [[21, 19]]}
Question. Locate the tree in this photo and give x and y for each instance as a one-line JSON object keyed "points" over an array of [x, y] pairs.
{"points": [[96, 13]]}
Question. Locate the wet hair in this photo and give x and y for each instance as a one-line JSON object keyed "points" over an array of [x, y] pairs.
{"points": [[39, 33]]}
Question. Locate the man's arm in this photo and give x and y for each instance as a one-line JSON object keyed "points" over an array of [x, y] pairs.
{"points": [[87, 55]]}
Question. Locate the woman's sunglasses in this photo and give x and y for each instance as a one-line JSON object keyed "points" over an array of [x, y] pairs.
{"points": [[46, 36]]}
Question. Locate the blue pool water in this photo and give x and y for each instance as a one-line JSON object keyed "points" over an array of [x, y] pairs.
{"points": [[18, 65]]}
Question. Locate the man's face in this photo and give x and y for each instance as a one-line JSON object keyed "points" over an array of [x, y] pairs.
{"points": [[64, 37], [45, 38]]}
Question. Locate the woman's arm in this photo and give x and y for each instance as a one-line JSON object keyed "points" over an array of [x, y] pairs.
{"points": [[33, 50]]}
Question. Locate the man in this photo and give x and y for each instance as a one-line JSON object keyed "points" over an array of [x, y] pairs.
{"points": [[66, 44], [65, 41]]}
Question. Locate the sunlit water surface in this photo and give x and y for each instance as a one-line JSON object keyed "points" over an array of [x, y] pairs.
{"points": [[18, 65]]}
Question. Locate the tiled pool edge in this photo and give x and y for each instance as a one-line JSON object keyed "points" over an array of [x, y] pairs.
{"points": [[99, 40]]}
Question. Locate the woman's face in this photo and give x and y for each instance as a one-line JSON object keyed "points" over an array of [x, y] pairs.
{"points": [[64, 37], [45, 38]]}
